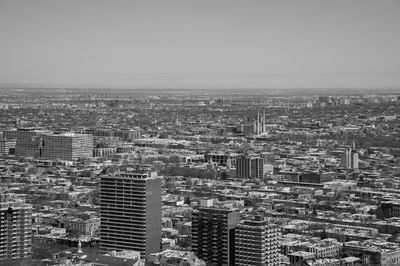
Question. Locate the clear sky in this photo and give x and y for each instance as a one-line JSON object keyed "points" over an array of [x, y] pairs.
{"points": [[203, 43]]}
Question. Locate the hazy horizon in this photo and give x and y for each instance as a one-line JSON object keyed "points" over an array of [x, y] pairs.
{"points": [[203, 44]]}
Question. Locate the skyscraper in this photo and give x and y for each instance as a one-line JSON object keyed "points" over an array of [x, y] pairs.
{"points": [[131, 211], [15, 229], [249, 166], [256, 243], [213, 234]]}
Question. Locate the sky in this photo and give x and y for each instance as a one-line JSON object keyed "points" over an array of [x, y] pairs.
{"points": [[200, 44]]}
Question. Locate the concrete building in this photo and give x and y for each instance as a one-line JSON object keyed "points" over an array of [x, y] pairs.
{"points": [[256, 243], [374, 252], [86, 227], [124, 134], [15, 229], [28, 147], [104, 152], [213, 234], [6, 146], [223, 159], [350, 158], [249, 167], [66, 146], [27, 142], [24, 133], [131, 211]]}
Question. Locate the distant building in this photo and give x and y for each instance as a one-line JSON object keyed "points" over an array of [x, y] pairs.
{"points": [[27, 140], [213, 234], [249, 167], [299, 258], [124, 134], [15, 229], [174, 257], [255, 127], [6, 147], [28, 147], [37, 143], [374, 252], [103, 152], [350, 159], [81, 226], [66, 146], [256, 243], [131, 211], [24, 133], [223, 159]]}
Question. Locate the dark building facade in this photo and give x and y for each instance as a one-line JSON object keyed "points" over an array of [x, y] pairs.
{"points": [[249, 167], [213, 234], [131, 212]]}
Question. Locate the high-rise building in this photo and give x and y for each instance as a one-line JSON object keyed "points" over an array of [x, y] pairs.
{"points": [[213, 234], [350, 158], [345, 159], [66, 146], [249, 166], [15, 229], [354, 159], [256, 243], [131, 211]]}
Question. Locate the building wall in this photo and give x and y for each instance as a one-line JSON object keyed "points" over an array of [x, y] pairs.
{"points": [[153, 215], [28, 147], [6, 146], [67, 146], [213, 235], [249, 167], [15, 230], [256, 244], [131, 212]]}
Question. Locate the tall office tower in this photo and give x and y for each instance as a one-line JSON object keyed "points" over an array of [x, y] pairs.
{"points": [[350, 158], [249, 167], [256, 243], [15, 229], [354, 159], [345, 159], [66, 146], [213, 234], [131, 211]]}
